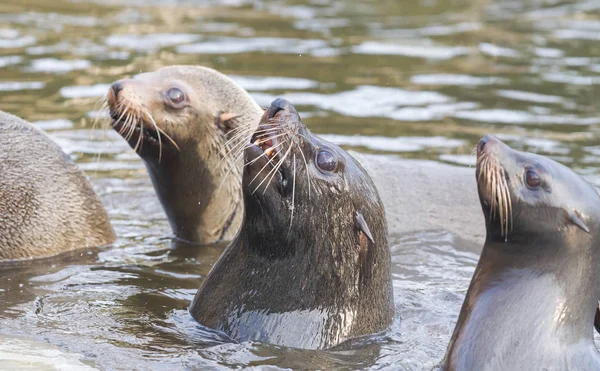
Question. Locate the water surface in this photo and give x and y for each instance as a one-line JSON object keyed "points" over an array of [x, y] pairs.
{"points": [[413, 79]]}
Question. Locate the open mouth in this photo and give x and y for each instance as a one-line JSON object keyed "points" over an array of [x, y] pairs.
{"points": [[268, 148], [132, 129]]}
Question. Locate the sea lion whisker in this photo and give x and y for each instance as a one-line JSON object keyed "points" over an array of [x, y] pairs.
{"points": [[237, 147], [126, 123], [271, 161], [293, 194], [500, 203], [256, 159], [493, 189], [243, 130], [129, 120], [508, 201], [140, 137], [305, 167], [274, 171], [103, 104], [230, 153], [481, 168], [138, 113], [233, 165], [167, 136], [158, 132], [239, 132], [124, 111]]}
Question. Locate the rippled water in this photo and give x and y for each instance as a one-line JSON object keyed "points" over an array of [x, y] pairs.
{"points": [[417, 79]]}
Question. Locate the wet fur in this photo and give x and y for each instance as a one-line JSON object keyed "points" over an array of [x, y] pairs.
{"points": [[47, 205], [303, 281]]}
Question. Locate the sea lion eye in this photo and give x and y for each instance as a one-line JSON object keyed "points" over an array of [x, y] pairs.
{"points": [[175, 95], [326, 161], [532, 179]]}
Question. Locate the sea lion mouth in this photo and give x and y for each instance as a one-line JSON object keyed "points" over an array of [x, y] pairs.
{"points": [[132, 129], [492, 184], [264, 149]]}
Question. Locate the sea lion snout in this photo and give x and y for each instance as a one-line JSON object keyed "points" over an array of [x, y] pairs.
{"points": [[116, 88], [280, 104], [487, 144], [120, 94]]}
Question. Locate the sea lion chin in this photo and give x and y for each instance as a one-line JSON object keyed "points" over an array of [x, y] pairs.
{"points": [[310, 267], [184, 122], [533, 298]]}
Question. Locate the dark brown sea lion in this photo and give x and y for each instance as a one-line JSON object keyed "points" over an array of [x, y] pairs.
{"points": [[533, 297], [310, 267], [47, 205], [184, 122]]}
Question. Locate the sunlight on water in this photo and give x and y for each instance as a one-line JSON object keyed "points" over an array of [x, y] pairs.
{"points": [[420, 79]]}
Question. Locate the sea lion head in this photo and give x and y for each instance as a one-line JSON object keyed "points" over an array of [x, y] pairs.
{"points": [[529, 197], [297, 181], [184, 122], [160, 112]]}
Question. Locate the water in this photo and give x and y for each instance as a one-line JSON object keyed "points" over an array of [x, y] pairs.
{"points": [[416, 79]]}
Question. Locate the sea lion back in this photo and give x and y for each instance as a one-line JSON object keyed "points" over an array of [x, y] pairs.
{"points": [[47, 205]]}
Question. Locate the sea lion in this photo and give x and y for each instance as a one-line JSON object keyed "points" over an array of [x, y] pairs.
{"points": [[310, 266], [533, 296], [47, 205], [184, 121]]}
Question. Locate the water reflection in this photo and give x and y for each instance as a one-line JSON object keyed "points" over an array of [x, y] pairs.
{"points": [[422, 79]]}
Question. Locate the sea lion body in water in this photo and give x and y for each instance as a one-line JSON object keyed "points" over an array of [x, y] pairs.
{"points": [[310, 266], [184, 121], [533, 296], [47, 205]]}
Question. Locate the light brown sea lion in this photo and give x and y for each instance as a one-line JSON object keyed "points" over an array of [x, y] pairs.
{"points": [[47, 205], [184, 122], [310, 267]]}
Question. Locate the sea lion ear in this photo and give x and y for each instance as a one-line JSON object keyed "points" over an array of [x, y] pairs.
{"points": [[574, 218], [361, 224], [223, 120]]}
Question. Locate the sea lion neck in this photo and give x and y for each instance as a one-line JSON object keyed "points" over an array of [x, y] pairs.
{"points": [[533, 297], [552, 295]]}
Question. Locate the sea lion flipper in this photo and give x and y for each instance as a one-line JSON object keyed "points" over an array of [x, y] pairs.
{"points": [[578, 222], [362, 226]]}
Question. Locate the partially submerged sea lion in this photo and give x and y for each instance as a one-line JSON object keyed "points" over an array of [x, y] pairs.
{"points": [[533, 297], [310, 267], [47, 205], [184, 122]]}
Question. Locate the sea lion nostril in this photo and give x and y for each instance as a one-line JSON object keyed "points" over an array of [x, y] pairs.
{"points": [[116, 88], [280, 104], [481, 145]]}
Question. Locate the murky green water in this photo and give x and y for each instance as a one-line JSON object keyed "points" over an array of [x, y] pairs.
{"points": [[417, 79]]}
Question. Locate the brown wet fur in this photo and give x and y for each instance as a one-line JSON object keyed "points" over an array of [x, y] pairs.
{"points": [[310, 267], [189, 150], [47, 205]]}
